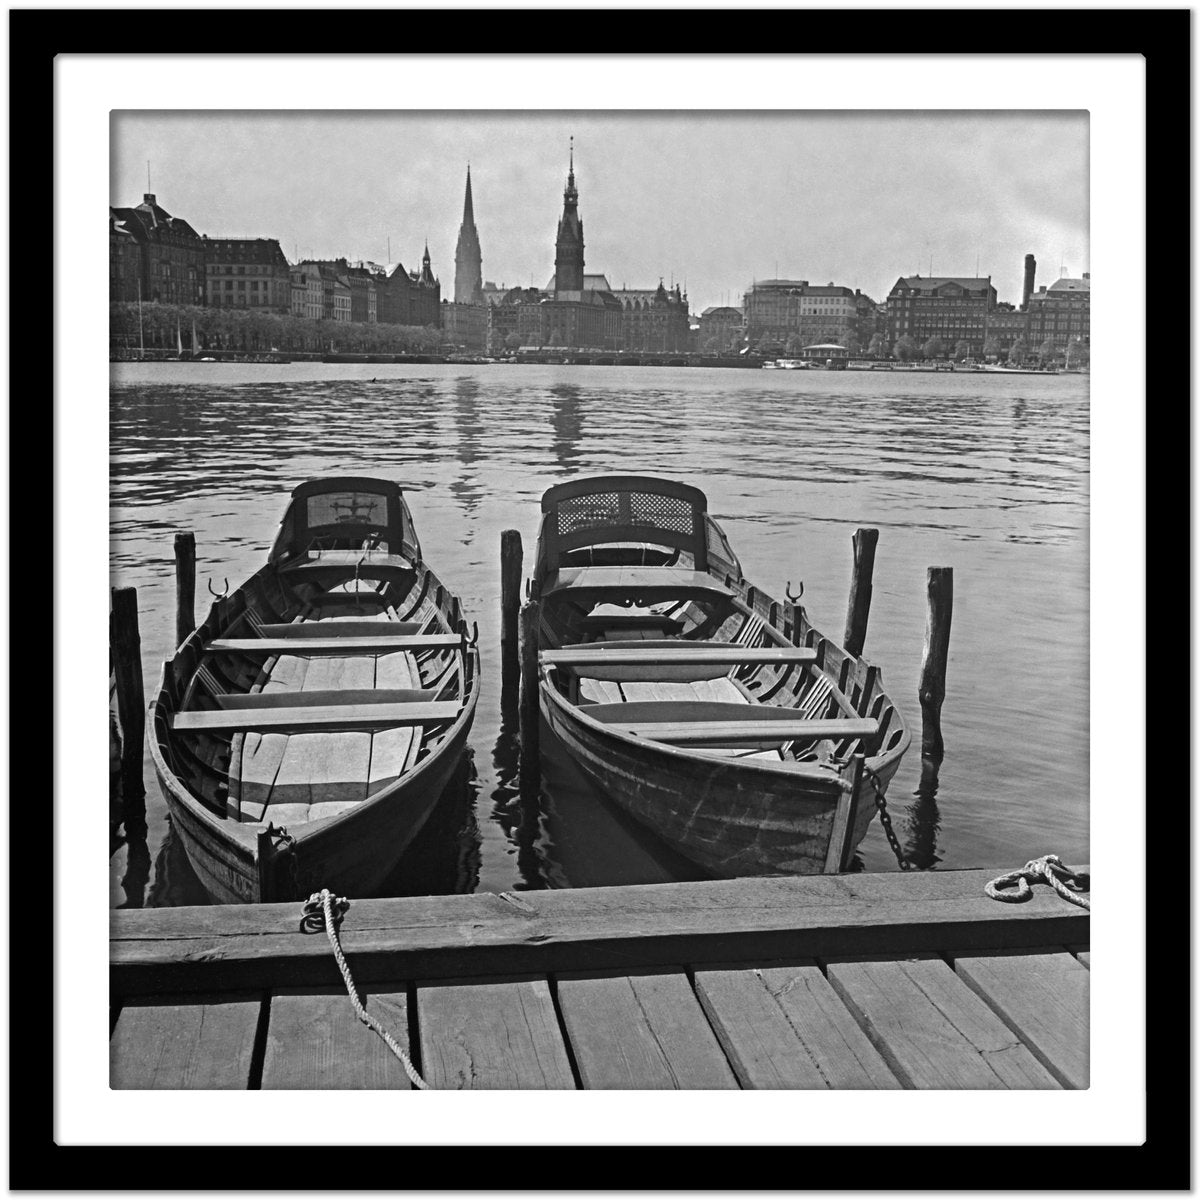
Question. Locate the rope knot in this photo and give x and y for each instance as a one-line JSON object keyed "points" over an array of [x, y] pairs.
{"points": [[1049, 868], [322, 910]]}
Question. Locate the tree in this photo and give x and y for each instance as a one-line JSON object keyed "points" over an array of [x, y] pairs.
{"points": [[1048, 352], [991, 348], [962, 349], [934, 348], [1017, 352], [905, 349], [794, 345], [513, 341], [878, 346]]}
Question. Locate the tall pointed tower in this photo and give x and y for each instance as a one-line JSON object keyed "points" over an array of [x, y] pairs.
{"points": [[568, 248], [468, 260]]}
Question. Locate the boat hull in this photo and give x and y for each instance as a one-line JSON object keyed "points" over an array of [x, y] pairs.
{"points": [[729, 816]]}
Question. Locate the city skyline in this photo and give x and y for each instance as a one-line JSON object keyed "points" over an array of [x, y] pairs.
{"points": [[710, 200]]}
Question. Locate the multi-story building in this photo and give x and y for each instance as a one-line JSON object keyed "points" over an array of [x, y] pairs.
{"points": [[1060, 314], [779, 311], [654, 319], [168, 265], [466, 325], [504, 316], [308, 291], [722, 330], [951, 308], [247, 273], [410, 297]]}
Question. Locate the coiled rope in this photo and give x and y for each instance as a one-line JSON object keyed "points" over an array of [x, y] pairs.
{"points": [[1050, 868], [318, 912]]}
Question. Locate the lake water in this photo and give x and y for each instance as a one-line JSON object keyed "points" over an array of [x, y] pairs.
{"points": [[985, 474]]}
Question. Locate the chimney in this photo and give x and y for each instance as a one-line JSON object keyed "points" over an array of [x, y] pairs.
{"points": [[1030, 268], [1087, 276], [149, 198]]}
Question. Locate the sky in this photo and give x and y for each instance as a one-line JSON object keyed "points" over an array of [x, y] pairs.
{"points": [[708, 199]]}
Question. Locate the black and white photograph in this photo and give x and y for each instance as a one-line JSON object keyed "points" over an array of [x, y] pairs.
{"points": [[604, 591]]}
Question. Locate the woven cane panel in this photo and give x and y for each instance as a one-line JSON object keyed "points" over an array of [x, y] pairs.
{"points": [[588, 512], [660, 512]]}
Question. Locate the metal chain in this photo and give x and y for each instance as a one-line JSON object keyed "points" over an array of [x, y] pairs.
{"points": [[885, 819], [318, 911], [1049, 868]]}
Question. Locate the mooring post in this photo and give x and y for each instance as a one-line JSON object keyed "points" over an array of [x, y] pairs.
{"points": [[932, 688], [530, 751], [859, 608], [510, 607], [185, 586], [126, 645]]}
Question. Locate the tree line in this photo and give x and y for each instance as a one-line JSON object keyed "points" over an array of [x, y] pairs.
{"points": [[169, 326]]}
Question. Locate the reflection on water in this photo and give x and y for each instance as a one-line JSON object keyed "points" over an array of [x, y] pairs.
{"points": [[987, 474]]}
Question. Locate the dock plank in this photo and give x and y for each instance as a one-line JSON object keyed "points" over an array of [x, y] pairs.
{"points": [[1043, 998], [315, 1040], [784, 1027], [185, 1042], [490, 1034], [641, 1031], [932, 1030], [589, 929]]}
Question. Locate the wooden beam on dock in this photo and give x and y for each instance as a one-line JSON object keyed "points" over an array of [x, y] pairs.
{"points": [[511, 555], [932, 688], [228, 947], [126, 643], [185, 586]]}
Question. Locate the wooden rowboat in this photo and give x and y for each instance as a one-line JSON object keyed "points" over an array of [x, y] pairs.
{"points": [[717, 717], [304, 732]]}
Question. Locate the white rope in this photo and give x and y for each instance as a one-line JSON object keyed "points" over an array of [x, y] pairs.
{"points": [[326, 899], [1049, 868]]}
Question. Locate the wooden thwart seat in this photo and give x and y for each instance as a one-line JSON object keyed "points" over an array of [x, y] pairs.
{"points": [[381, 643], [318, 699], [678, 653], [647, 583], [328, 717], [339, 629]]}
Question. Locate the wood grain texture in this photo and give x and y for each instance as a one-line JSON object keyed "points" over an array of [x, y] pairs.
{"points": [[315, 1039], [641, 1031], [722, 921], [184, 1042], [491, 1034], [931, 1029], [1043, 998], [784, 1027]]}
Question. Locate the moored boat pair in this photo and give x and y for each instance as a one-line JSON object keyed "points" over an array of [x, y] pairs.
{"points": [[304, 732]]}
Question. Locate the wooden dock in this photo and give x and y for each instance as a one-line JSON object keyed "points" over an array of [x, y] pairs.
{"points": [[847, 981]]}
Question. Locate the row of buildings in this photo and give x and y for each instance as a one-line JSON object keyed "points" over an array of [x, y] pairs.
{"points": [[155, 256]]}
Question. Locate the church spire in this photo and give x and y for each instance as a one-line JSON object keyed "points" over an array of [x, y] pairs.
{"points": [[568, 248], [468, 258]]}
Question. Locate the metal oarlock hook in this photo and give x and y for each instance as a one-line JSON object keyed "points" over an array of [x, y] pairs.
{"points": [[475, 635], [788, 592], [219, 595]]}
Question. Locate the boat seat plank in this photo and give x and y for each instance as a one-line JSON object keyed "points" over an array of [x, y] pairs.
{"points": [[341, 627], [325, 717], [490, 1034], [784, 1027], [315, 1040], [1043, 998], [671, 654], [199, 1041], [306, 699], [375, 644], [933, 1031], [640, 1032], [320, 768], [601, 691], [645, 582]]}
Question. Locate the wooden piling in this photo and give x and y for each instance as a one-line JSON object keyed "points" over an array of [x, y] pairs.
{"points": [[859, 608], [126, 643], [510, 607], [530, 750], [932, 688], [185, 586]]}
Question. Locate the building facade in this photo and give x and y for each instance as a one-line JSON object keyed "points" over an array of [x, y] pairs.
{"points": [[308, 292], [247, 273], [783, 311], [466, 326], [410, 297], [1060, 314], [468, 258], [653, 319], [950, 308], [168, 265], [722, 330]]}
